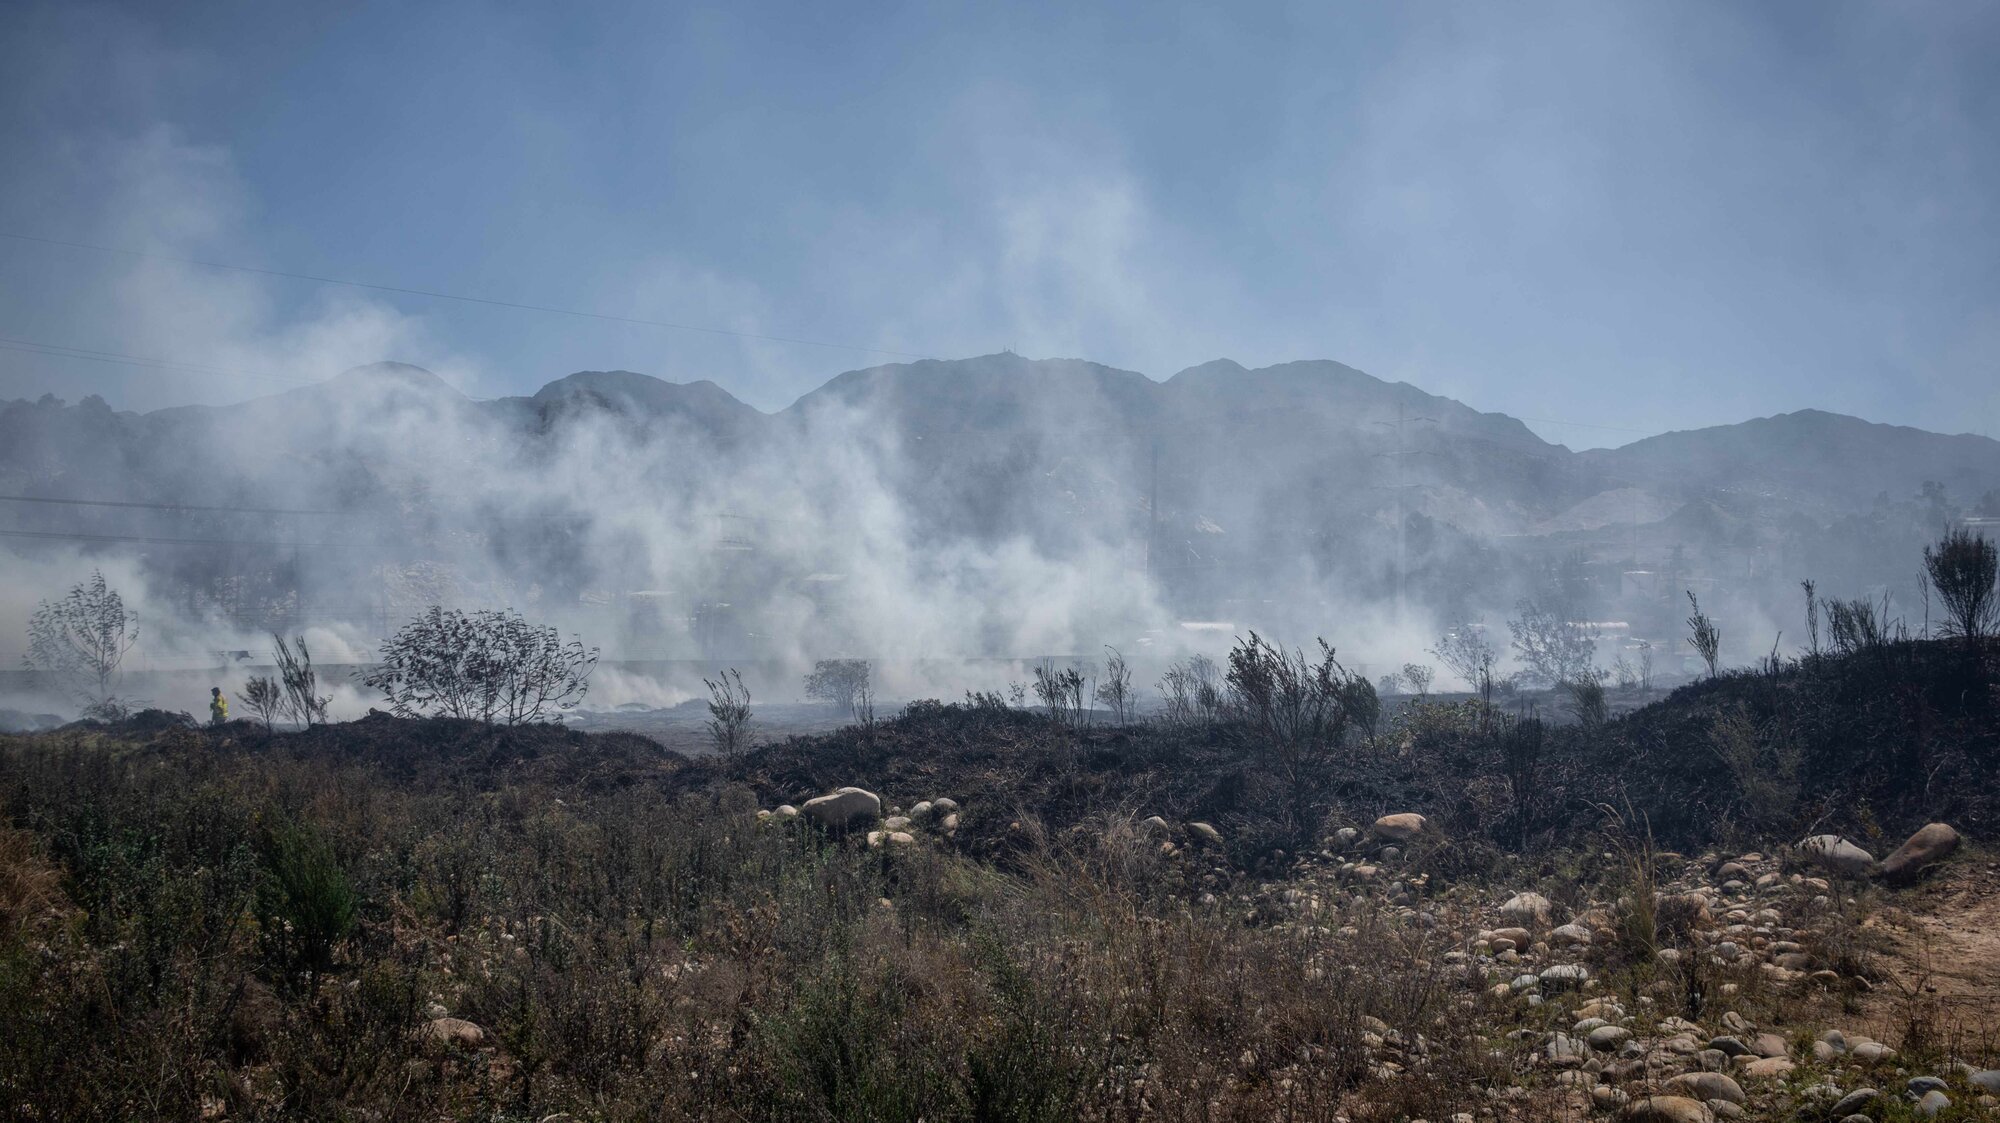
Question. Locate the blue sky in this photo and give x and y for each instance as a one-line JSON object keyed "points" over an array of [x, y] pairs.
{"points": [[1639, 216]]}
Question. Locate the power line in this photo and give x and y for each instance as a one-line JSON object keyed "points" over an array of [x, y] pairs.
{"points": [[166, 506], [180, 541], [435, 295], [61, 351]]}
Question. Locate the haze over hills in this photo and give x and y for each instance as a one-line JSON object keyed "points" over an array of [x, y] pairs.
{"points": [[972, 487]]}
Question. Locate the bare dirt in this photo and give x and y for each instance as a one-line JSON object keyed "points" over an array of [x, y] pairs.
{"points": [[1939, 952]]}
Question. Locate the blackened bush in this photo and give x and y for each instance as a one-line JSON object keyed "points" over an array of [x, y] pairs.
{"points": [[489, 665]]}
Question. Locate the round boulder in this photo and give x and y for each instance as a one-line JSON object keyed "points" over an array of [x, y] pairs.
{"points": [[1835, 854], [1929, 846], [1527, 910], [1401, 827], [1667, 1109], [1706, 1086], [843, 810]]}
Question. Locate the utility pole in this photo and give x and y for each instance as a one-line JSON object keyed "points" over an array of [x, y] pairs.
{"points": [[1402, 453], [1153, 509]]}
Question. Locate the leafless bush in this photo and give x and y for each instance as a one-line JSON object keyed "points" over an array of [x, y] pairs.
{"points": [[489, 666], [1812, 616], [728, 712], [1115, 689], [1062, 694], [1626, 673], [300, 682], [1706, 638], [1419, 677], [1300, 709], [1586, 699], [263, 697], [1465, 652], [1191, 691], [1858, 625]]}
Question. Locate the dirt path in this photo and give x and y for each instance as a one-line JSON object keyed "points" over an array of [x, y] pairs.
{"points": [[1941, 956]]}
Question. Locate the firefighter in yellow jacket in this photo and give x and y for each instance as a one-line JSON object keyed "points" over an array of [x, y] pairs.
{"points": [[218, 706]]}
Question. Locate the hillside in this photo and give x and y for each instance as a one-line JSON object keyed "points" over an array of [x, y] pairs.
{"points": [[1002, 918]]}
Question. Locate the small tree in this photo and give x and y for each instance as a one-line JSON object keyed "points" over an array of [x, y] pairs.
{"points": [[1465, 652], [1706, 637], [1962, 568], [839, 681], [1553, 647], [1115, 691], [728, 713], [488, 666], [300, 683], [264, 697], [1419, 677], [80, 640]]}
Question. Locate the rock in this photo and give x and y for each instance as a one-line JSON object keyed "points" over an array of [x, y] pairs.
{"points": [[1729, 1046], [1835, 854], [785, 811], [844, 809], [1766, 1068], [896, 823], [1402, 827], [1205, 833], [1346, 836], [1515, 937], [1565, 975], [1871, 1052], [1154, 825], [1853, 1102], [1929, 846], [949, 823], [1570, 934], [920, 810], [1706, 1086], [1527, 910], [1606, 1038], [902, 838], [1918, 1085], [1770, 1045], [1985, 1079], [1932, 1103], [455, 1031], [943, 805], [1666, 1109], [1563, 1047]]}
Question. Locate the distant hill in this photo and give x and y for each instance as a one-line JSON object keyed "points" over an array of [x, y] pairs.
{"points": [[1230, 486]]}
